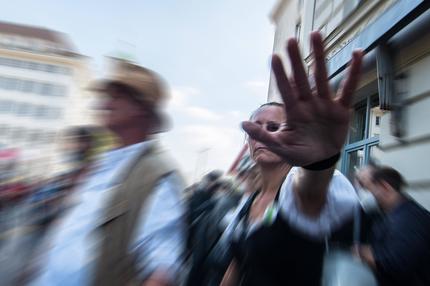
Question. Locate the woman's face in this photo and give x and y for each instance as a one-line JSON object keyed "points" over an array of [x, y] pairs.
{"points": [[269, 117]]}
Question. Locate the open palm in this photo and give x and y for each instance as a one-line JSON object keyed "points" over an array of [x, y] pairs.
{"points": [[316, 121]]}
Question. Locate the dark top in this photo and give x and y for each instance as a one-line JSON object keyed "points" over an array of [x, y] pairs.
{"points": [[207, 212], [401, 245], [277, 254]]}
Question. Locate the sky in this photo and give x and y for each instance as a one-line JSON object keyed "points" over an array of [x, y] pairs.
{"points": [[214, 55]]}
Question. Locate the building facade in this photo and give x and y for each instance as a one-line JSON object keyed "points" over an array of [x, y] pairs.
{"points": [[42, 80], [389, 124]]}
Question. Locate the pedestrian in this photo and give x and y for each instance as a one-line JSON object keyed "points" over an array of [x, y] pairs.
{"points": [[49, 199], [399, 248], [201, 227], [126, 227], [200, 199], [280, 234]]}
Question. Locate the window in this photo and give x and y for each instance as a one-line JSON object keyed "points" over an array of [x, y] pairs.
{"points": [[33, 87], [52, 112], [358, 124], [2, 82], [375, 154], [27, 86], [38, 88], [5, 106], [33, 66], [15, 63], [355, 160], [11, 83], [375, 121], [49, 68], [329, 14], [46, 89], [59, 90], [363, 136], [23, 109], [40, 111]]}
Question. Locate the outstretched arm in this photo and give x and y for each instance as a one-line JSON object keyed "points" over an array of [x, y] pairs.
{"points": [[316, 121]]}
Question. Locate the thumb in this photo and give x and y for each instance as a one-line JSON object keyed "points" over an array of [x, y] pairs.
{"points": [[257, 133]]}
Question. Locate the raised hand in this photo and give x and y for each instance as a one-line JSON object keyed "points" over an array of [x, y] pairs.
{"points": [[316, 121]]}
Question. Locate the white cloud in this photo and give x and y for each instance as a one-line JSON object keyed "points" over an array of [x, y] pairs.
{"points": [[237, 114], [180, 95], [210, 136], [201, 113], [200, 129], [221, 145], [181, 103]]}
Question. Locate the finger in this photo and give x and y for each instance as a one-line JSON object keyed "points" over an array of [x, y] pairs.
{"points": [[320, 70], [257, 133], [284, 85], [348, 87], [299, 74]]}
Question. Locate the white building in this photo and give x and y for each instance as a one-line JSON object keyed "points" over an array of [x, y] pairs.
{"points": [[393, 97], [42, 80]]}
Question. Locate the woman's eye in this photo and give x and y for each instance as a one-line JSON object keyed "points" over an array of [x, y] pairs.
{"points": [[272, 127]]}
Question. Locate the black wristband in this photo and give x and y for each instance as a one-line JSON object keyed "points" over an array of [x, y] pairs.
{"points": [[323, 164]]}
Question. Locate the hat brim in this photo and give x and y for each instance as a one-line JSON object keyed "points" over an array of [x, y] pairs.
{"points": [[102, 85], [163, 121]]}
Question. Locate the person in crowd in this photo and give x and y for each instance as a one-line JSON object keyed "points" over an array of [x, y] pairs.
{"points": [[248, 182], [78, 144], [208, 228], [201, 205], [126, 226], [399, 249], [14, 191], [49, 199], [200, 199], [226, 201], [303, 202]]}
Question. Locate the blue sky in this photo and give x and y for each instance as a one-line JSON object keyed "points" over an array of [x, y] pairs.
{"points": [[214, 55]]}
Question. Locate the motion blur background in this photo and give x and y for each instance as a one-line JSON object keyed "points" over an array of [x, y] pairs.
{"points": [[215, 57]]}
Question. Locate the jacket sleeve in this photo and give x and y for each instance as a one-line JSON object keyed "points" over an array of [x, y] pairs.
{"points": [[407, 245], [339, 207], [160, 237]]}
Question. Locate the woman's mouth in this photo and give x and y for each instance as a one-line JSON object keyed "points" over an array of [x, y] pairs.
{"points": [[261, 149]]}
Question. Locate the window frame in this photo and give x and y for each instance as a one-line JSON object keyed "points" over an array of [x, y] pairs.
{"points": [[365, 143]]}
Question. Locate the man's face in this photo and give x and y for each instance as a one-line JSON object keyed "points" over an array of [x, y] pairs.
{"points": [[364, 178], [121, 110]]}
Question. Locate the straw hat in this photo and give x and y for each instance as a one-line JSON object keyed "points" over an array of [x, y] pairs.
{"points": [[149, 86]]}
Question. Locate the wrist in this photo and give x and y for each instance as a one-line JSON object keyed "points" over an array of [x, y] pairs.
{"points": [[323, 164], [311, 189]]}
